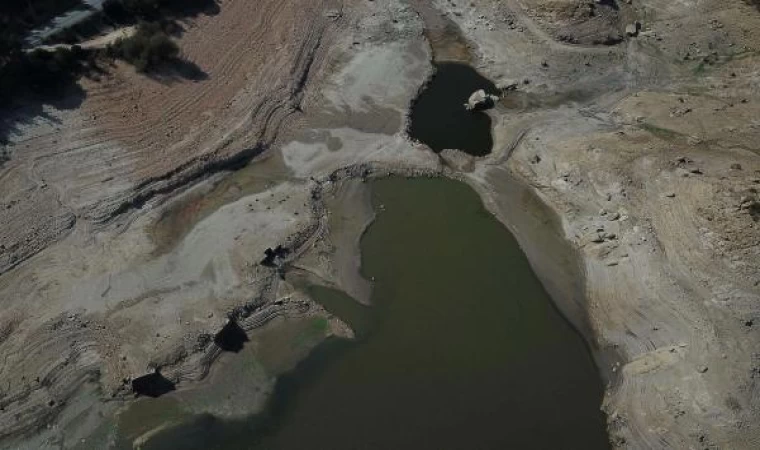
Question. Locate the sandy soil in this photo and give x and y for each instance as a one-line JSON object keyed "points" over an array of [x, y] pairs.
{"points": [[629, 174]]}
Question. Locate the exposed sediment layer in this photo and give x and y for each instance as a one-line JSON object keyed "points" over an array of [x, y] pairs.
{"points": [[641, 155], [135, 310], [144, 136]]}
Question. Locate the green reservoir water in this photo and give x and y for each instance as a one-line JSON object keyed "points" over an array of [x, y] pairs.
{"points": [[462, 348]]}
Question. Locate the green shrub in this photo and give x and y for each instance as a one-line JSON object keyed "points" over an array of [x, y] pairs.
{"points": [[146, 49], [41, 72]]}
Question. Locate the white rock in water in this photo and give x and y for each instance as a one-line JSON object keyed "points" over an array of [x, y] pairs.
{"points": [[480, 100]]}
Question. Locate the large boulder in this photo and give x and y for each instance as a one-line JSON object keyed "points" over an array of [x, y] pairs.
{"points": [[480, 100]]}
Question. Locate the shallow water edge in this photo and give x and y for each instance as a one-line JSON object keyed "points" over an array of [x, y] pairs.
{"points": [[418, 356]]}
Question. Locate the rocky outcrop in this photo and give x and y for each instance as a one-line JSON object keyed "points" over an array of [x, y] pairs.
{"points": [[480, 100]]}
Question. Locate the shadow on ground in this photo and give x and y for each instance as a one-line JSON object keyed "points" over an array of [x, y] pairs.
{"points": [[23, 105], [29, 105], [178, 70]]}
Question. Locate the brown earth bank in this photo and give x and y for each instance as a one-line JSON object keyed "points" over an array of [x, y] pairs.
{"points": [[626, 165]]}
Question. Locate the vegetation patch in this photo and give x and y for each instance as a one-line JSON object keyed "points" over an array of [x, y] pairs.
{"points": [[148, 48], [119, 13], [48, 74], [38, 71]]}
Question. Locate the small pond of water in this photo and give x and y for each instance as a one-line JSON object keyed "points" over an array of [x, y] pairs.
{"points": [[439, 118]]}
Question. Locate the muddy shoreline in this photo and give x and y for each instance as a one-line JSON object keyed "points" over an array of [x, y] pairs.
{"points": [[455, 206], [633, 203]]}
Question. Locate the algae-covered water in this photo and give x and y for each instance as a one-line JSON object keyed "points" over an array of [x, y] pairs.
{"points": [[462, 348]]}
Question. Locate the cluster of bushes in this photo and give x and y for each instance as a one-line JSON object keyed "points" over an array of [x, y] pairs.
{"points": [[149, 47], [50, 73], [46, 72], [42, 72], [118, 13], [115, 13]]}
